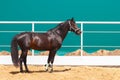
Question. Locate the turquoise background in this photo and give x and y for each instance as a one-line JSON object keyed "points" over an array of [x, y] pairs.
{"points": [[54, 10], [39, 10]]}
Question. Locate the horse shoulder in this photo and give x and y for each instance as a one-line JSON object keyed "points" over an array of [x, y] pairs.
{"points": [[55, 40]]}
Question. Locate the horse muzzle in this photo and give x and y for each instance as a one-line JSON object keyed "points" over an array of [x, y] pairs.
{"points": [[78, 32]]}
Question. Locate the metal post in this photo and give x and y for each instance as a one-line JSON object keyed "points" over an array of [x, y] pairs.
{"points": [[81, 39], [33, 29]]}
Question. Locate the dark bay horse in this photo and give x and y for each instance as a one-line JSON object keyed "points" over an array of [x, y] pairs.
{"points": [[51, 40]]}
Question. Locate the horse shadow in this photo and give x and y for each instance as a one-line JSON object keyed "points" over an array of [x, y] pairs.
{"points": [[40, 71]]}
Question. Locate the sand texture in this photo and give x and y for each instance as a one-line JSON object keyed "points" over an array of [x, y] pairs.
{"points": [[61, 73]]}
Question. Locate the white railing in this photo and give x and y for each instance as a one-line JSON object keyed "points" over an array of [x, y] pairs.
{"points": [[71, 60], [32, 28]]}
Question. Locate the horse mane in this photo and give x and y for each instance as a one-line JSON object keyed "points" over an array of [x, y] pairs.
{"points": [[56, 28]]}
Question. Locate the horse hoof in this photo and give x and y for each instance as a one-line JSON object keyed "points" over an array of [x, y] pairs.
{"points": [[21, 71], [50, 70], [46, 70], [27, 71]]}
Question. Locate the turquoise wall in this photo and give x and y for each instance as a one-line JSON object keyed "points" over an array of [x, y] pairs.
{"points": [[37, 10], [61, 10]]}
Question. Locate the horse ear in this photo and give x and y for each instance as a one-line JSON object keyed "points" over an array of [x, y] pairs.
{"points": [[72, 19]]}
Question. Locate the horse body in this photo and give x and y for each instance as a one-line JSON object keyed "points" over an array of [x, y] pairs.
{"points": [[30, 40], [38, 41], [51, 40]]}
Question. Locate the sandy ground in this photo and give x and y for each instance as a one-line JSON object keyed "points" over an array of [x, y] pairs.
{"points": [[61, 73]]}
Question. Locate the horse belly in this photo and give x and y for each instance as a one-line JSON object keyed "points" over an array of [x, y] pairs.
{"points": [[41, 45]]}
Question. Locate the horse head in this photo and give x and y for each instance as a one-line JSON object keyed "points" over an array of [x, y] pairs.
{"points": [[73, 26]]}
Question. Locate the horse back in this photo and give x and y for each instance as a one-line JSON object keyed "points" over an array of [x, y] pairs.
{"points": [[44, 41], [38, 41]]}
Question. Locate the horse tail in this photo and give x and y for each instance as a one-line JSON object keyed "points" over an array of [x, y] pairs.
{"points": [[14, 51]]}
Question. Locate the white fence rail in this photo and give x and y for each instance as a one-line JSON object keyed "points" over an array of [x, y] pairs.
{"points": [[67, 60]]}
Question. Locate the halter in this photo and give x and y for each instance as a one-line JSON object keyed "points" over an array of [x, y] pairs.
{"points": [[72, 27]]}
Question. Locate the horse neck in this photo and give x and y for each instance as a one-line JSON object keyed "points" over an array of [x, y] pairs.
{"points": [[63, 30]]}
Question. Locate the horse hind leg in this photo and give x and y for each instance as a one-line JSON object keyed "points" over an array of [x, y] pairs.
{"points": [[20, 62], [24, 60]]}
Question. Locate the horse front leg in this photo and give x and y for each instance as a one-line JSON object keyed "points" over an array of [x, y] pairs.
{"points": [[49, 66]]}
